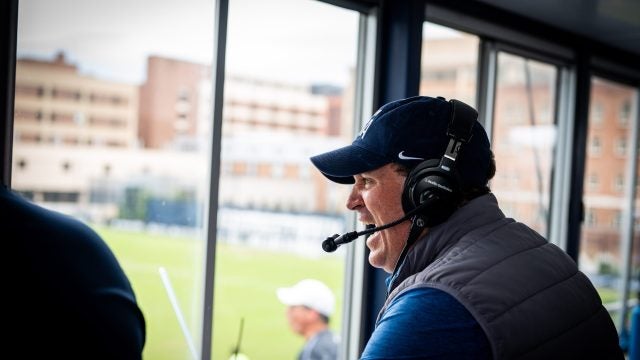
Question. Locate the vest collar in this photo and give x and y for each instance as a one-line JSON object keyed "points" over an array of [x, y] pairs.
{"points": [[477, 212]]}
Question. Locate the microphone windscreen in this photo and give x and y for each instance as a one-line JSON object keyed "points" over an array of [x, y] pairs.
{"points": [[329, 245]]}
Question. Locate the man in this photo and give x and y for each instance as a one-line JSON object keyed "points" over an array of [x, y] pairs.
{"points": [[466, 282], [68, 296], [310, 303]]}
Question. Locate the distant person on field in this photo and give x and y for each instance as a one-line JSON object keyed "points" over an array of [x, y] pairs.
{"points": [[310, 303], [68, 296]]}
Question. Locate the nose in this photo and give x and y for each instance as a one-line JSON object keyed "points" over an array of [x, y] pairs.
{"points": [[354, 200]]}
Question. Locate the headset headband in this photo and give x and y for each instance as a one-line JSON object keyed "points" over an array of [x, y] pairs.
{"points": [[460, 130], [463, 117]]}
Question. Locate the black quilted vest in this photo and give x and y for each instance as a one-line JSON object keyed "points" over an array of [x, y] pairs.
{"points": [[526, 293]]}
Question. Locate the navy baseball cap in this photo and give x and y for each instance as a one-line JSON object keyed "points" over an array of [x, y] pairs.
{"points": [[407, 132]]}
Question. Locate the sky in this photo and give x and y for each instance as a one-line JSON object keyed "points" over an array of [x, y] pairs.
{"points": [[301, 41], [296, 41]]}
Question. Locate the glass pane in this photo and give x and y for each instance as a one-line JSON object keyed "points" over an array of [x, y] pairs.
{"points": [[524, 138], [605, 186], [635, 247], [111, 128], [288, 95], [449, 63]]}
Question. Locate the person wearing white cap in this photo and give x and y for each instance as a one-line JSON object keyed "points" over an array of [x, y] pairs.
{"points": [[310, 304]]}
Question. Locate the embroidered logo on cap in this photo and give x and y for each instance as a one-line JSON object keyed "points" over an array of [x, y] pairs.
{"points": [[366, 126], [402, 156]]}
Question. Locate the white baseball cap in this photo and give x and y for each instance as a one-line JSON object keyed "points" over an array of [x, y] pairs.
{"points": [[310, 293]]}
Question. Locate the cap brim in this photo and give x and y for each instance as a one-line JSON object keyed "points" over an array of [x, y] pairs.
{"points": [[342, 164], [288, 297]]}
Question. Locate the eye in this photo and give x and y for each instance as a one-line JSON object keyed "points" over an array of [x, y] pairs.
{"points": [[367, 181], [363, 181]]}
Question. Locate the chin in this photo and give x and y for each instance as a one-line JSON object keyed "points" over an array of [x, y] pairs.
{"points": [[376, 263], [372, 260]]}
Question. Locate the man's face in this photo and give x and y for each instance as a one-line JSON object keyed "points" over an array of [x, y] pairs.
{"points": [[299, 318], [376, 196]]}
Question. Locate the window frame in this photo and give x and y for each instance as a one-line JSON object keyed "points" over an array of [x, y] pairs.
{"points": [[576, 63]]}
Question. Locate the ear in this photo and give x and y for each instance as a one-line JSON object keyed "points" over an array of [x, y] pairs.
{"points": [[427, 183], [312, 315]]}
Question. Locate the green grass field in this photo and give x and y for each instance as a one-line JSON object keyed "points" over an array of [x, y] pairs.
{"points": [[245, 283]]}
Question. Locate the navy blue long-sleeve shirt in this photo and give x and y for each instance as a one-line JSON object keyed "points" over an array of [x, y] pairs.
{"points": [[427, 323]]}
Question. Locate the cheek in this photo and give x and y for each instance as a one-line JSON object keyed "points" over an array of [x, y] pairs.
{"points": [[390, 201], [298, 315], [292, 315]]}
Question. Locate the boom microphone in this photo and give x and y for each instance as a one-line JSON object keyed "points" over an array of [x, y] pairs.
{"points": [[332, 243]]}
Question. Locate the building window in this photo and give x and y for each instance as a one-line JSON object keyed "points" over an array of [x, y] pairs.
{"points": [[27, 115], [618, 183], [593, 181], [439, 75], [51, 196], [590, 218], [65, 94], [264, 170], [291, 171], [515, 113], [107, 99], [118, 100], [620, 147], [597, 113], [183, 94], [26, 90], [616, 220], [625, 113], [252, 169], [29, 195], [278, 170], [595, 146], [114, 143], [63, 118], [239, 168], [79, 118], [305, 172], [70, 140], [29, 138], [226, 168]]}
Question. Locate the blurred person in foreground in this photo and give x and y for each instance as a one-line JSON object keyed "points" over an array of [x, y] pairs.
{"points": [[465, 281], [310, 303], [69, 297]]}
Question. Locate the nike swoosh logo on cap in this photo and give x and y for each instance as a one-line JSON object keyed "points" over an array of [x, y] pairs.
{"points": [[401, 156]]}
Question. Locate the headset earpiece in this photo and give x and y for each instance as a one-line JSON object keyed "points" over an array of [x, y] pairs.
{"points": [[436, 180], [428, 182]]}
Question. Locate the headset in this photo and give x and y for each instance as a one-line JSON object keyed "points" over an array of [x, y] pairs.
{"points": [[431, 190], [437, 180]]}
